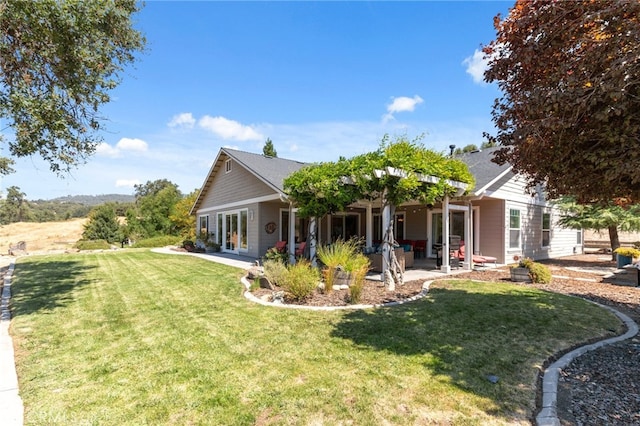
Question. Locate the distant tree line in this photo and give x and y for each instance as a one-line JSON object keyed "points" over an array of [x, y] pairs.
{"points": [[16, 208], [158, 208]]}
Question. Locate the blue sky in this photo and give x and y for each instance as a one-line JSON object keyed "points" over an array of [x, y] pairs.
{"points": [[320, 79]]}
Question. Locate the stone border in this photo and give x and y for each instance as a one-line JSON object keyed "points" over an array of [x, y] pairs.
{"points": [[548, 415], [11, 405], [249, 296]]}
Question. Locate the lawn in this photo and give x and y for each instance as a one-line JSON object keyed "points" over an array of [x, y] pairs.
{"points": [[135, 337]]}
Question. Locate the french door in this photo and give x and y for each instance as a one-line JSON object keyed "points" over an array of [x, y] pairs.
{"points": [[232, 231]]}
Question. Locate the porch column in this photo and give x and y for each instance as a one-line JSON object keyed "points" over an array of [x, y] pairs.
{"points": [[329, 219], [369, 226], [467, 263], [292, 235], [446, 267], [386, 244], [312, 240]]}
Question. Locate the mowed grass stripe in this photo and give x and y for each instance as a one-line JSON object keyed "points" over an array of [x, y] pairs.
{"points": [[134, 337]]}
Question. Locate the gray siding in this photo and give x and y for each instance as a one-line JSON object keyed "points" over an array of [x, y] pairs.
{"points": [[491, 241], [237, 185]]}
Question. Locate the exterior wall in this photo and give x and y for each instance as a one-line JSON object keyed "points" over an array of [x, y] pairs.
{"points": [[416, 223], [268, 212], [531, 207], [237, 188], [490, 232], [237, 185]]}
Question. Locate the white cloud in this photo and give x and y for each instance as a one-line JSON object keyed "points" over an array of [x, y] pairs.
{"points": [[107, 150], [476, 66], [124, 144], [401, 104], [127, 183], [229, 129], [184, 119], [128, 144]]}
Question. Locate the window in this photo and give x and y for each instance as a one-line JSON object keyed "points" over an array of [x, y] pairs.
{"points": [[204, 224], [227, 166], [546, 229], [579, 237], [514, 228]]}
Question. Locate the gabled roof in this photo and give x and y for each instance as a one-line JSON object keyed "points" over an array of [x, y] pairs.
{"points": [[273, 170], [270, 170], [483, 169]]}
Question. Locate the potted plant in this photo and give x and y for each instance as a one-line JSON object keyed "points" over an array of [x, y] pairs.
{"points": [[529, 271], [625, 256]]}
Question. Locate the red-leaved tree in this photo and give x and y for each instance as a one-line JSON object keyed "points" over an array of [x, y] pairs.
{"points": [[569, 115]]}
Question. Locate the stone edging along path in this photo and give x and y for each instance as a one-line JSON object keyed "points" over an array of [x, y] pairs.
{"points": [[548, 415]]}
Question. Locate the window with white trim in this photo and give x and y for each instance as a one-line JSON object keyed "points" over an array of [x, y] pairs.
{"points": [[546, 229], [579, 237], [227, 166], [514, 228]]}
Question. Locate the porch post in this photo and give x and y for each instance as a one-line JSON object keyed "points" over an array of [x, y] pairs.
{"points": [[329, 218], [446, 267], [292, 235], [312, 240], [369, 226], [386, 245], [467, 263]]}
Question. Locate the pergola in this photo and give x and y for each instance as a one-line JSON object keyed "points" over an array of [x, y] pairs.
{"points": [[387, 217]]}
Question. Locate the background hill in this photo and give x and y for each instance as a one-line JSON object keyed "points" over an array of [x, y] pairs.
{"points": [[91, 200]]}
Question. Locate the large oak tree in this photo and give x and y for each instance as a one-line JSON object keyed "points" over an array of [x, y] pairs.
{"points": [[58, 62], [569, 115]]}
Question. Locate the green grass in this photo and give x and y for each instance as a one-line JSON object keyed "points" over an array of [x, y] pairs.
{"points": [[134, 337]]}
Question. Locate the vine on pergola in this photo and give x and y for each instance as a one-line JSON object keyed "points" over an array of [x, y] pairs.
{"points": [[398, 171]]}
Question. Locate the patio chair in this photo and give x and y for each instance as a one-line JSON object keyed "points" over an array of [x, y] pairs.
{"points": [[476, 258], [281, 246], [420, 247], [300, 249]]}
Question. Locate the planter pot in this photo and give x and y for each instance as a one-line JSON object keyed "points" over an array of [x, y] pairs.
{"points": [[520, 275], [623, 260]]}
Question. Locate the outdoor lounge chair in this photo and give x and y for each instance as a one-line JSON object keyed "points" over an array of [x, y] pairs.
{"points": [[281, 246], [476, 258], [300, 249]]}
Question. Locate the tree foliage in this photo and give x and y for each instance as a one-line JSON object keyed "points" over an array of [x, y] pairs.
{"points": [[569, 116], [155, 202], [183, 222], [598, 217], [268, 149], [15, 207], [102, 224], [324, 188], [58, 62]]}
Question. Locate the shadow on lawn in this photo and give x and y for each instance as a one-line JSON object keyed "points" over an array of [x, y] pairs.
{"points": [[471, 337], [45, 285]]}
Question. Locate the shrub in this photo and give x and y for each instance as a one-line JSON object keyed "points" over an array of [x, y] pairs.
{"points": [[93, 245], [359, 275], [301, 280], [539, 273], [161, 241], [275, 271], [275, 255]]}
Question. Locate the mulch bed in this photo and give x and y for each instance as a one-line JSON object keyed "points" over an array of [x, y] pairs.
{"points": [[601, 387]]}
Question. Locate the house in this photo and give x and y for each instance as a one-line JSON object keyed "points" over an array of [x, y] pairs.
{"points": [[243, 205]]}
